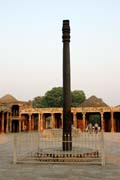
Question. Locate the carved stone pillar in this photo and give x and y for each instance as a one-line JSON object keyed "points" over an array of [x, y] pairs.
{"points": [[52, 120], [30, 118], [61, 120], [74, 120], [112, 121], [20, 125], [2, 122], [41, 123], [84, 121], [102, 121], [10, 125], [7, 122]]}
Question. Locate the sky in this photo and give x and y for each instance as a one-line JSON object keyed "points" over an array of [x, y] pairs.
{"points": [[31, 47]]}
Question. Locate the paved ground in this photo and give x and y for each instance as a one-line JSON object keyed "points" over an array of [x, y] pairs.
{"points": [[111, 171]]}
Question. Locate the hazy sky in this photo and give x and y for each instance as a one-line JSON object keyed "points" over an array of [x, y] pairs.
{"points": [[31, 47]]}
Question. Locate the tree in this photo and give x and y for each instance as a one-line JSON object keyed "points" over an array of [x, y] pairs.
{"points": [[39, 102], [78, 96], [54, 98]]}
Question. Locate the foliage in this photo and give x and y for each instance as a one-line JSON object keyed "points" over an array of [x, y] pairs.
{"points": [[37, 102], [78, 96], [54, 98]]}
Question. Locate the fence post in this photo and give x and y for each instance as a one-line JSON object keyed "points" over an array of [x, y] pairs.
{"points": [[102, 150], [14, 149]]}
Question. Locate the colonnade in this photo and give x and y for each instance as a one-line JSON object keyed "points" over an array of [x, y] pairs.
{"points": [[4, 121], [35, 120]]}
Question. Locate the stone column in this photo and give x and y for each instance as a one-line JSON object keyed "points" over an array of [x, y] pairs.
{"points": [[7, 120], [112, 121], [20, 125], [74, 120], [10, 121], [62, 120], [52, 120], [10, 125], [2, 122], [30, 122], [84, 121], [102, 121], [41, 122]]}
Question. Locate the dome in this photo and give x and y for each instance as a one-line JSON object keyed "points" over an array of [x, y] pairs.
{"points": [[93, 101], [8, 99]]}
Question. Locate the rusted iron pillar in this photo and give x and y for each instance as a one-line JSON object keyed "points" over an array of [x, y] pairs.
{"points": [[67, 120]]}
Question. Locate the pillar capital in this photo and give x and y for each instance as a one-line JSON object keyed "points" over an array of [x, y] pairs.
{"points": [[84, 114], [101, 113]]}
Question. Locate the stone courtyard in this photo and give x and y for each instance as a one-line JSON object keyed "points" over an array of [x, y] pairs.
{"points": [[110, 171]]}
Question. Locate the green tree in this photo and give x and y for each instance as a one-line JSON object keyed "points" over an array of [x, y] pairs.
{"points": [[78, 96], [39, 102], [54, 98]]}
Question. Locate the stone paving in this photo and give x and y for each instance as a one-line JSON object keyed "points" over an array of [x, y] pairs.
{"points": [[111, 171]]}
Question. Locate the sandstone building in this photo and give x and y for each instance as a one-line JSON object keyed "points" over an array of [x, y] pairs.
{"points": [[18, 116]]}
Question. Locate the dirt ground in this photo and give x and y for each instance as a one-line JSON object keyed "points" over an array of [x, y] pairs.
{"points": [[110, 171]]}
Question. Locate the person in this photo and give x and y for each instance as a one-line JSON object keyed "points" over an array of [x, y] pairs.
{"points": [[96, 128], [90, 127]]}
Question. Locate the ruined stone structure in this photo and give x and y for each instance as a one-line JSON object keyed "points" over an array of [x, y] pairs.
{"points": [[18, 116]]}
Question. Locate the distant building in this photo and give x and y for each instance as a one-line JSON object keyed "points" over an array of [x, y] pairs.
{"points": [[19, 116]]}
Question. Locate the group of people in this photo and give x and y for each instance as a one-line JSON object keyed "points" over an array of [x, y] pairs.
{"points": [[93, 128]]}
